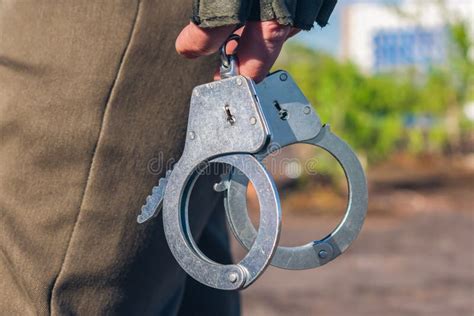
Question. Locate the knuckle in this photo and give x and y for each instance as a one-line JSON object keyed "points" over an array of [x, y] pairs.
{"points": [[192, 43], [192, 51], [274, 33], [186, 52]]}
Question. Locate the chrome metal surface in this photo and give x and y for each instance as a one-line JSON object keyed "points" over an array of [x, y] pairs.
{"points": [[154, 202], [309, 255], [216, 139], [235, 122], [185, 250], [302, 125]]}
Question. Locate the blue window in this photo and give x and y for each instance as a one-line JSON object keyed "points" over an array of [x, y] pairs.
{"points": [[417, 47]]}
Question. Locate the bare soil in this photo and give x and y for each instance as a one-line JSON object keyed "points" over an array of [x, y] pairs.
{"points": [[415, 255]]}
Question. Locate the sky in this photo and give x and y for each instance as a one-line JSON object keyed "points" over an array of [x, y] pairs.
{"points": [[328, 39]]}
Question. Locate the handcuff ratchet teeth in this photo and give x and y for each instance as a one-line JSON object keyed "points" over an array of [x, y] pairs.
{"points": [[211, 138], [236, 122]]}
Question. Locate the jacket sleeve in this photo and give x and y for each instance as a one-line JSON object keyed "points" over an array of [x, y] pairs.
{"points": [[298, 13]]}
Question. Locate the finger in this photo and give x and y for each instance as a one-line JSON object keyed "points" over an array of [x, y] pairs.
{"points": [[233, 45], [259, 47], [194, 41]]}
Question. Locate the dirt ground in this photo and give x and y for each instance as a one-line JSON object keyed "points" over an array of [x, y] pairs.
{"points": [[415, 255]]}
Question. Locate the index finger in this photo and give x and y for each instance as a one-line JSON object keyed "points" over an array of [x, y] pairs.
{"points": [[259, 47]]}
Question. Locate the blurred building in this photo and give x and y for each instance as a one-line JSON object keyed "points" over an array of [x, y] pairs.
{"points": [[380, 37]]}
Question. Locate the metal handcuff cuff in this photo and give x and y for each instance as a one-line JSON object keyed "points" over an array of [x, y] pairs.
{"points": [[236, 122]]}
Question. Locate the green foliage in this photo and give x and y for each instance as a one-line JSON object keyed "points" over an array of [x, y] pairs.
{"points": [[415, 141], [366, 111], [370, 111], [437, 137]]}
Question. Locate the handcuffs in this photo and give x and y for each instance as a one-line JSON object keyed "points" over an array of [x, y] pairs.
{"points": [[236, 122]]}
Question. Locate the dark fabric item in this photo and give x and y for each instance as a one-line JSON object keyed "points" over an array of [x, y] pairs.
{"points": [[215, 243], [326, 9], [92, 97], [307, 11], [298, 13], [213, 13], [282, 10]]}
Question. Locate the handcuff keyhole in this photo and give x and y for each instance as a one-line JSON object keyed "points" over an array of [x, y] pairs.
{"points": [[281, 112], [230, 116]]}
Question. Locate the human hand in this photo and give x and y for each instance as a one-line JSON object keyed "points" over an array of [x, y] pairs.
{"points": [[258, 48]]}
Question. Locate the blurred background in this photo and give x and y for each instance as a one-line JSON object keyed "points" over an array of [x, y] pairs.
{"points": [[395, 79]]}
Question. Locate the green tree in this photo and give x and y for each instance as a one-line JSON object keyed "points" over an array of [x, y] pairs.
{"points": [[372, 112]]}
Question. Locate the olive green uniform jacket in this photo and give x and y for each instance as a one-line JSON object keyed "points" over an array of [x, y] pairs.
{"points": [[93, 103]]}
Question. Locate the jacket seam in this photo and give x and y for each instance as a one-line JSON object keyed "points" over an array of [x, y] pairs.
{"points": [[94, 150]]}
